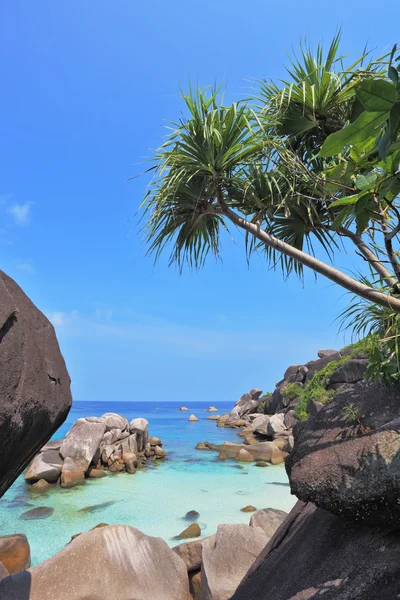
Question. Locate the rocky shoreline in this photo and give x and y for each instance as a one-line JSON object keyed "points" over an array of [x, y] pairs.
{"points": [[93, 446]]}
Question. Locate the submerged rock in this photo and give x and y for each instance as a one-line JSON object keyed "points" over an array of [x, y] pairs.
{"points": [[192, 515], [15, 553], [114, 562], [35, 385], [42, 512]]}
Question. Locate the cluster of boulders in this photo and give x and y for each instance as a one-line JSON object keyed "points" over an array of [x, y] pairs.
{"points": [[266, 422], [121, 562], [92, 446]]}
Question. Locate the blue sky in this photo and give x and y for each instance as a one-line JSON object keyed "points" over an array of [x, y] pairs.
{"points": [[86, 90]]}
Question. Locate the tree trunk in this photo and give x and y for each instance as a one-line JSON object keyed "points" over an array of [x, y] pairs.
{"points": [[350, 284]]}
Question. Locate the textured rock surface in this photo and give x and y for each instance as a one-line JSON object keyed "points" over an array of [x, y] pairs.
{"points": [[35, 385], [315, 554], [82, 441], [116, 562], [247, 403], [350, 372], [269, 519], [3, 571], [46, 465], [351, 466], [15, 553], [225, 563]]}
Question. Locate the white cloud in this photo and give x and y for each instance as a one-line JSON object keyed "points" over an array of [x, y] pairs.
{"points": [[25, 265], [21, 213], [60, 319], [178, 339]]}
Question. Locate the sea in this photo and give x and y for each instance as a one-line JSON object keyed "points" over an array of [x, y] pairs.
{"points": [[157, 498]]}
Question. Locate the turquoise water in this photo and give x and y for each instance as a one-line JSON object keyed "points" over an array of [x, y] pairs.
{"points": [[155, 499]]}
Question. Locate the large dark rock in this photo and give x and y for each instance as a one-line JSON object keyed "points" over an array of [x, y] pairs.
{"points": [[315, 554], [317, 365], [350, 372], [35, 385], [346, 458]]}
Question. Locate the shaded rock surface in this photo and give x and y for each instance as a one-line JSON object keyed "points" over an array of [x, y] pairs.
{"points": [[190, 532], [35, 385], [315, 554], [191, 552], [110, 562], [227, 560], [351, 466]]}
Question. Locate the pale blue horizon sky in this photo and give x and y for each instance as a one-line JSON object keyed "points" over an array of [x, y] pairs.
{"points": [[87, 89]]}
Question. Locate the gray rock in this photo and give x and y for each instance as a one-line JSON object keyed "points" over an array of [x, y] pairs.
{"points": [[130, 444], [260, 425], [82, 441], [301, 374], [46, 465], [276, 425], [247, 403], [140, 427], [114, 421], [191, 553], [315, 554], [325, 353], [290, 419], [313, 407], [269, 519], [52, 445], [349, 464], [317, 365], [35, 385], [277, 400], [291, 371], [350, 372], [117, 561], [225, 563]]}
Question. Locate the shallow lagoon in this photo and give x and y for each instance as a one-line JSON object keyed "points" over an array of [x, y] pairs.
{"points": [[155, 499]]}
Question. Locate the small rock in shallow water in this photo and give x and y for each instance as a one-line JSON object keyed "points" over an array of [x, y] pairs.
{"points": [[248, 508], [261, 463], [40, 486], [42, 512], [190, 532], [96, 473], [192, 515]]}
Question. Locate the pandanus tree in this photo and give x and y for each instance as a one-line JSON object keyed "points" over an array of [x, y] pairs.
{"points": [[307, 167]]}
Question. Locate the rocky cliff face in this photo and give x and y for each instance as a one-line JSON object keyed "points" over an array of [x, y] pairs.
{"points": [[34, 386]]}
